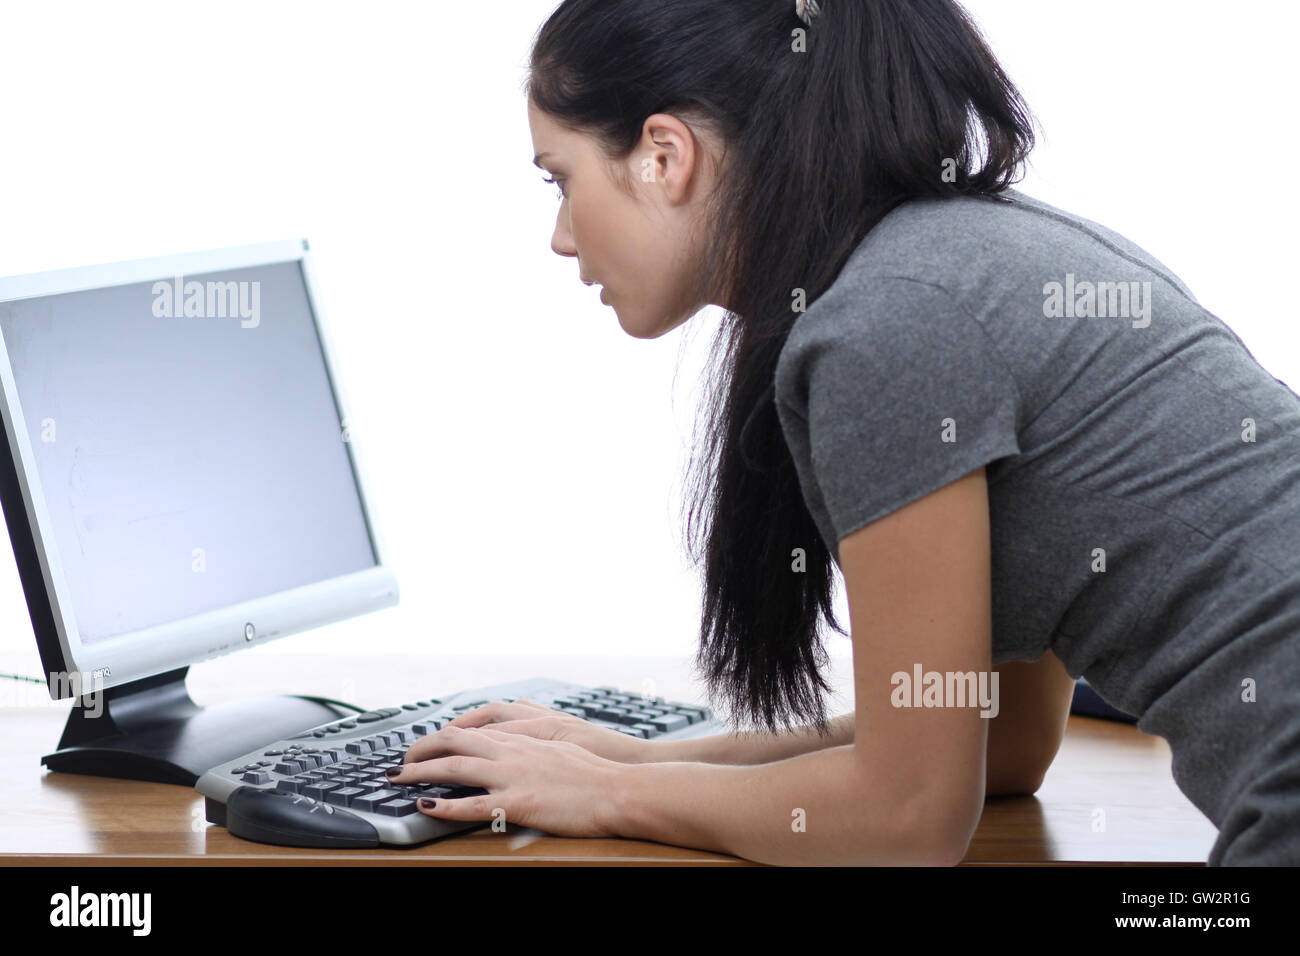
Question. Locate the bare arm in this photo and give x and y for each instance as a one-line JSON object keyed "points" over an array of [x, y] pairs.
{"points": [[1027, 732], [1034, 704], [749, 748], [910, 788]]}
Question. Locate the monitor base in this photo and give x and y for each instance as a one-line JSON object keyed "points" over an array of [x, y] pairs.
{"points": [[151, 729]]}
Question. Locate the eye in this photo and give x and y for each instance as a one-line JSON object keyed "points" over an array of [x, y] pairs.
{"points": [[554, 182]]}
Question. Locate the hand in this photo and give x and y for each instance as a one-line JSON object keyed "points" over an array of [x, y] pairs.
{"points": [[550, 785], [534, 720]]}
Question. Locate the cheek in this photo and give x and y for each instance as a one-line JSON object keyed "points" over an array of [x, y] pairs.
{"points": [[603, 231]]}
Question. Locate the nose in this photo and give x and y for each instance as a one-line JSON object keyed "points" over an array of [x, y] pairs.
{"points": [[562, 239]]}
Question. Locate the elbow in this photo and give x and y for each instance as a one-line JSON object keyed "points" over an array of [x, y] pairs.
{"points": [[1024, 784], [950, 845], [938, 846], [939, 830]]}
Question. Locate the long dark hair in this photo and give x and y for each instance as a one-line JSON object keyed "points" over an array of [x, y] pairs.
{"points": [[886, 101]]}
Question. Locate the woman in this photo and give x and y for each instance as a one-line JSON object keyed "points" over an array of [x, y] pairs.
{"points": [[1017, 435]]}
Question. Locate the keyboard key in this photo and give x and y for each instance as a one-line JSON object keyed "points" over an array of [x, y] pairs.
{"points": [[288, 786], [650, 729], [632, 731], [288, 767], [343, 796], [678, 705], [359, 747], [317, 791], [670, 723], [397, 808], [374, 799], [256, 777], [457, 790]]}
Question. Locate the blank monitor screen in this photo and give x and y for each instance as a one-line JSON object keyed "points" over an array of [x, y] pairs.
{"points": [[190, 462]]}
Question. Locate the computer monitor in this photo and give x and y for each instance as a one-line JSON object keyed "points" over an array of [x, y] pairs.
{"points": [[180, 482]]}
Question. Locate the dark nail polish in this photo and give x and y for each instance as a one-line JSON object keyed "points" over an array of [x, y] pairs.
{"points": [[427, 804], [394, 771]]}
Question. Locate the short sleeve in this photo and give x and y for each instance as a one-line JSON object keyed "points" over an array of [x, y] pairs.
{"points": [[902, 393]]}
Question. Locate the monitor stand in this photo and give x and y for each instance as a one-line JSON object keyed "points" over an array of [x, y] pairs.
{"points": [[151, 729]]}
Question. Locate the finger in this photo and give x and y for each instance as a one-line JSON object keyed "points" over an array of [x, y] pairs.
{"points": [[495, 711], [539, 727], [481, 807], [457, 768], [449, 740]]}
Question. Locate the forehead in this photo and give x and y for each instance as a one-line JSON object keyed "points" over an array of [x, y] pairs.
{"points": [[549, 137]]}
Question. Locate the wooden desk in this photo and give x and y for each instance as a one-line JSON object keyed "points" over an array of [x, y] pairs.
{"points": [[1108, 798]]}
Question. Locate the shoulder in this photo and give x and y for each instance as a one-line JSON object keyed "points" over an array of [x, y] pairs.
{"points": [[935, 274], [874, 331]]}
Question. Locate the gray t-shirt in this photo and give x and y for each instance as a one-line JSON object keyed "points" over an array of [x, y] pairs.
{"points": [[959, 334]]}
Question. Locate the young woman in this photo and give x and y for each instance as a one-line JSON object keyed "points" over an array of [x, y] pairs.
{"points": [[1019, 437]]}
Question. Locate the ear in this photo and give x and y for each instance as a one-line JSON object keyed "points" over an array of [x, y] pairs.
{"points": [[668, 155]]}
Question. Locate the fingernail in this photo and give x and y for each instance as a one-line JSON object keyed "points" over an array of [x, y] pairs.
{"points": [[427, 803], [394, 771]]}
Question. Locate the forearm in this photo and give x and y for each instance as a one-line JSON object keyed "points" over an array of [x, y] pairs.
{"points": [[1012, 768], [815, 809], [751, 747]]}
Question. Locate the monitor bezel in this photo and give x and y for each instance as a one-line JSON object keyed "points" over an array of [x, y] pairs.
{"points": [[74, 666]]}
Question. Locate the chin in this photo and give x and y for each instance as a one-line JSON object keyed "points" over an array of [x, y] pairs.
{"points": [[641, 327]]}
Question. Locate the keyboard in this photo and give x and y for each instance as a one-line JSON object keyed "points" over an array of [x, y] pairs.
{"points": [[326, 787]]}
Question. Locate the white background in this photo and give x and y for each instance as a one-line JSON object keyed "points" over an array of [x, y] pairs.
{"points": [[524, 453]]}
